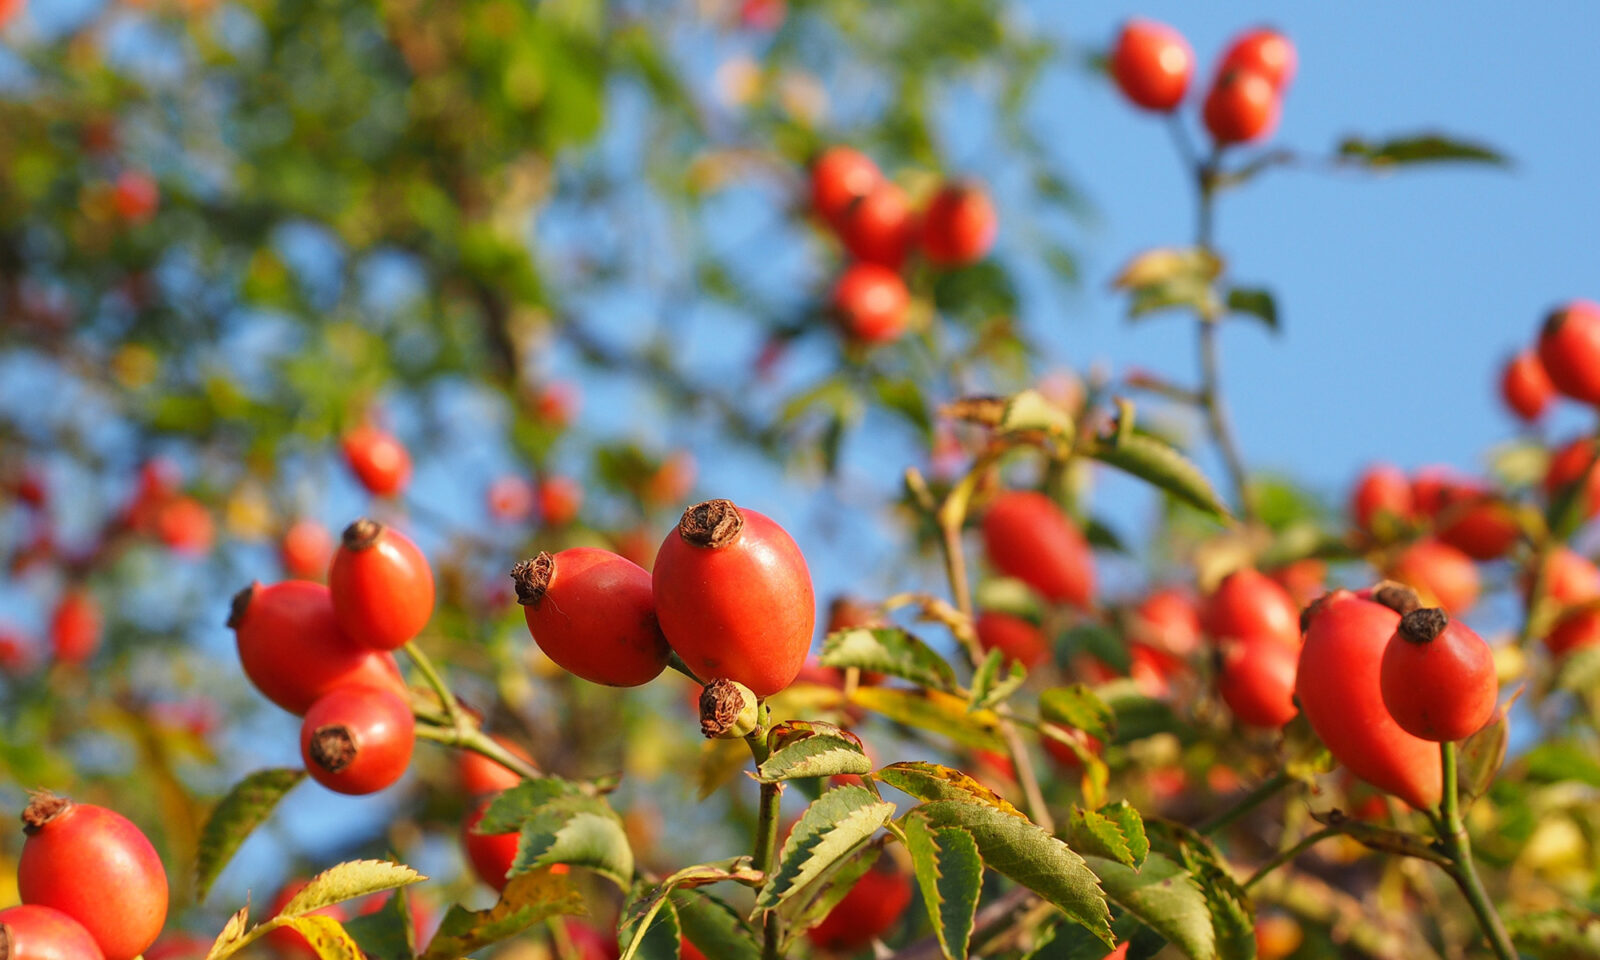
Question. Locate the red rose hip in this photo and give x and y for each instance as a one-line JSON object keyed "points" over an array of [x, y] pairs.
{"points": [[1019, 640], [1382, 499], [75, 627], [1438, 677], [959, 226], [871, 301], [491, 854], [879, 227], [382, 586], [1152, 64], [96, 867], [1256, 681], [41, 933], [871, 908], [1264, 51], [1026, 536], [838, 176], [1569, 348], [1525, 387], [1242, 106], [734, 597], [1249, 605], [594, 614], [378, 460], [357, 740]]}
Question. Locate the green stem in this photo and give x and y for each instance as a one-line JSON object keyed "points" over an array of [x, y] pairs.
{"points": [[455, 728], [766, 850], [1210, 393], [1458, 847], [452, 709], [1255, 798], [1286, 856]]}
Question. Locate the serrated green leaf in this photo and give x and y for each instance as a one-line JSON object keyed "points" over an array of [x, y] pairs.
{"points": [[1255, 302], [949, 872], [1159, 464], [834, 826], [1165, 897], [657, 938], [1115, 832], [1419, 148], [247, 806], [715, 928], [1018, 849], [800, 748], [347, 881], [931, 781], [808, 909], [387, 933], [511, 808], [1078, 707], [647, 900], [1233, 916], [527, 899], [936, 712], [888, 650], [581, 832], [989, 687]]}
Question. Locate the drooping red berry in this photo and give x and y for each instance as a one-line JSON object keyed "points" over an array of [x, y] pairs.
{"points": [[838, 176], [1264, 51], [1525, 387], [594, 614], [358, 740], [960, 225], [1242, 106], [379, 461], [1438, 677], [381, 585], [40, 933], [1018, 639], [1026, 536], [1152, 64], [1249, 605], [871, 302], [1569, 348]]}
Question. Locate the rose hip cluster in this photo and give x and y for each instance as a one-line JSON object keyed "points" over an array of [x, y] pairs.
{"points": [[880, 227], [324, 653], [92, 886], [1152, 64]]}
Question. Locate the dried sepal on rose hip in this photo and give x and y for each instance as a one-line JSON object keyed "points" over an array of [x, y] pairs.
{"points": [[594, 614], [381, 584], [1438, 677], [728, 710], [358, 740]]}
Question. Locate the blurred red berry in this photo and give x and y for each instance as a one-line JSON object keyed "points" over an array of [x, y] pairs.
{"points": [[1152, 64], [184, 525], [871, 301], [511, 498], [306, 550], [560, 499], [75, 627], [838, 176], [1264, 51], [879, 227], [1242, 106], [136, 196], [1569, 348], [1525, 387], [960, 225], [379, 461]]}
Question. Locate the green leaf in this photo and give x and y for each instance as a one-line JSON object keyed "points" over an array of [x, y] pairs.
{"points": [[989, 688], [814, 904], [1164, 897], [800, 748], [646, 900], [527, 899], [1233, 917], [657, 938], [888, 650], [387, 933], [1019, 849], [904, 397], [1007, 595], [1420, 148], [347, 881], [1078, 707], [931, 781], [1170, 277], [1255, 302], [949, 872], [513, 807], [1137, 716], [832, 828], [715, 928], [1159, 464], [581, 832], [1114, 832], [936, 712], [1559, 761], [1030, 413], [247, 805]]}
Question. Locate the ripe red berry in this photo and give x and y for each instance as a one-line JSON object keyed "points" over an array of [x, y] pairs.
{"points": [[556, 404], [671, 481], [1569, 578], [1478, 524], [184, 524], [511, 499], [306, 550], [593, 613], [1242, 106], [75, 627], [293, 651], [136, 196], [960, 225], [1026, 536], [1569, 348], [358, 740], [379, 461], [96, 867], [688, 951], [1570, 465], [560, 499], [1064, 755], [1256, 681], [1382, 500], [1525, 387], [1167, 619], [1438, 677], [1576, 630], [1433, 487], [479, 776], [734, 597], [1019, 640], [590, 943], [1337, 684], [871, 301], [1152, 64], [1306, 579], [16, 653], [763, 15], [9, 10], [1264, 51], [838, 176], [880, 226], [40, 933], [1249, 605], [871, 908], [1441, 574], [491, 855], [291, 943], [381, 584]]}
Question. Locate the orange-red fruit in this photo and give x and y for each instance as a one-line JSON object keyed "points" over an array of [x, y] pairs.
{"points": [[1569, 348], [870, 909], [734, 597], [479, 776], [1438, 677], [306, 550], [556, 404], [1152, 64], [960, 225], [75, 627], [1569, 578], [491, 854], [379, 461], [9, 10], [293, 651], [593, 613], [1249, 605], [1382, 492], [382, 586], [688, 951], [40, 933], [1063, 754], [1571, 465], [1019, 640], [510, 498], [96, 867], [184, 524], [1577, 629], [358, 740], [1434, 487], [879, 227], [136, 196], [838, 176], [1026, 536], [1256, 681], [1169, 620], [1441, 574], [871, 301], [590, 943], [1479, 525], [1338, 686], [1242, 106], [290, 942], [1306, 579], [1263, 51], [560, 499], [1525, 387], [1120, 953]]}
